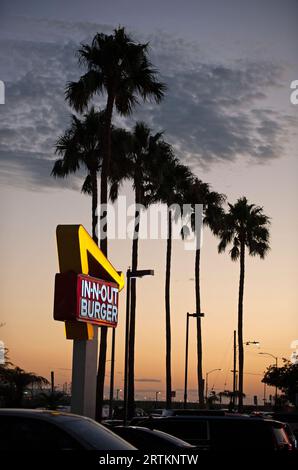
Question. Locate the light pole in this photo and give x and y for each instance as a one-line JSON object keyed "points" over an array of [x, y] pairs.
{"points": [[118, 390], [129, 275], [52, 381], [276, 362], [234, 370], [247, 343], [195, 315], [207, 373], [156, 398]]}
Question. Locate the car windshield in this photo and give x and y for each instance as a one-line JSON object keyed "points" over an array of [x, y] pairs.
{"points": [[96, 435]]}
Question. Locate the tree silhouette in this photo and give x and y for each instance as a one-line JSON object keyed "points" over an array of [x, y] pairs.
{"points": [[245, 226]]}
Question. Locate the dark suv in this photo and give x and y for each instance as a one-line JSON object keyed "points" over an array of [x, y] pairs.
{"points": [[225, 433]]}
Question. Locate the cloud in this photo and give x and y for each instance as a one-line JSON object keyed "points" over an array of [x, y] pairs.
{"points": [[209, 114], [212, 112]]}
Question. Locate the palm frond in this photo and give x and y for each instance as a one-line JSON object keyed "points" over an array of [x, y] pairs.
{"points": [[78, 94], [87, 185]]}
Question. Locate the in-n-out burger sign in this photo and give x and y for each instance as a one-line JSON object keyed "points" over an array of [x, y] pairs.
{"points": [[97, 301], [86, 299], [88, 285]]}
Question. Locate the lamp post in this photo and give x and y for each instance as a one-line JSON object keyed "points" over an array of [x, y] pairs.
{"points": [[207, 373], [130, 275], [195, 315], [156, 398], [276, 362], [118, 391], [247, 343]]}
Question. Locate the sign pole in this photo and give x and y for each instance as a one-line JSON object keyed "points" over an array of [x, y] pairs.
{"points": [[84, 370], [112, 374]]}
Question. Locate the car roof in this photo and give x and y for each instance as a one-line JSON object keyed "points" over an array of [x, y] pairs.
{"points": [[137, 428], [154, 432], [210, 418], [40, 414]]}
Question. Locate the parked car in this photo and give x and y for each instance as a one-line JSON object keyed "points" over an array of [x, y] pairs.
{"points": [[149, 440], [52, 430], [289, 421], [178, 412], [290, 418], [192, 412], [157, 412], [225, 433]]}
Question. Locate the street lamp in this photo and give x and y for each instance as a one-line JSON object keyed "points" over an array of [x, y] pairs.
{"points": [[207, 373], [247, 343], [195, 315], [130, 275], [276, 361], [156, 398], [118, 390]]}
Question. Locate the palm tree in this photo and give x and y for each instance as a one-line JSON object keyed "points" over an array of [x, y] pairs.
{"points": [[212, 201], [81, 146], [212, 399], [244, 226], [144, 156], [51, 400], [120, 68], [229, 394], [173, 182]]}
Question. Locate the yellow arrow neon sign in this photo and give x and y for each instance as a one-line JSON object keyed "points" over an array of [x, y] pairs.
{"points": [[78, 252]]}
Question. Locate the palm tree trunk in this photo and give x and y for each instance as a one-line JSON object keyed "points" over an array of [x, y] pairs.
{"points": [[199, 328], [104, 247], [132, 329], [168, 313], [105, 173], [240, 325], [93, 176]]}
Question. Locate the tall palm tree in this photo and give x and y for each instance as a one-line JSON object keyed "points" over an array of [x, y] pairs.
{"points": [[172, 182], [245, 226], [120, 68], [144, 157], [212, 201], [81, 146]]}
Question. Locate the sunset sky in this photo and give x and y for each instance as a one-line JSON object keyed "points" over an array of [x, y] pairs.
{"points": [[228, 66]]}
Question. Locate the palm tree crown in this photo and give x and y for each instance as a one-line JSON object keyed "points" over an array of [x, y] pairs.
{"points": [[119, 66], [245, 224], [80, 145], [142, 156]]}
